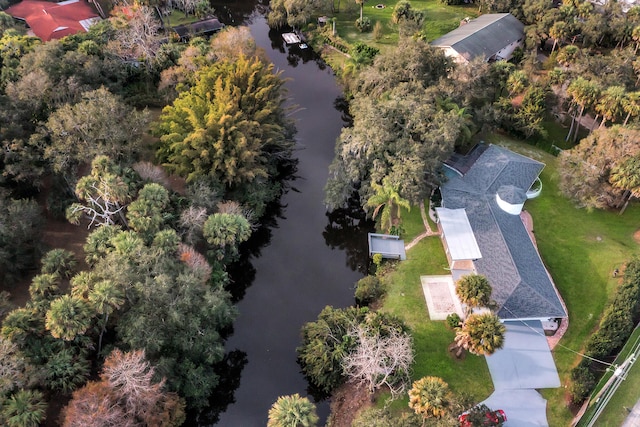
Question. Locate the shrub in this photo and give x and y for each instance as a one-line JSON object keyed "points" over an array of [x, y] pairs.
{"points": [[368, 290], [582, 382], [377, 259], [364, 24], [364, 53], [453, 321], [377, 31], [517, 56], [615, 328]]}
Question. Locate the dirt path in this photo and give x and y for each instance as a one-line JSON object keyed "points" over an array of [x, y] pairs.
{"points": [[428, 231], [56, 233]]}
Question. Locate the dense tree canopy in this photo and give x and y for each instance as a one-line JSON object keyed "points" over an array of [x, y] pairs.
{"points": [[100, 123], [586, 169], [401, 136], [230, 126]]}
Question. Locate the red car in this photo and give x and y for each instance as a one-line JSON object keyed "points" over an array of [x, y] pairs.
{"points": [[491, 418]]}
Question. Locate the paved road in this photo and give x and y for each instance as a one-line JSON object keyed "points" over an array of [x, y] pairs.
{"points": [[633, 419]]}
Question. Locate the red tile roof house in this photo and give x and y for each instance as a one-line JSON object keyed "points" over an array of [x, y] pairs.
{"points": [[50, 20]]}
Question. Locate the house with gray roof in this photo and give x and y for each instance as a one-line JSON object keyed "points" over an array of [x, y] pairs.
{"points": [[493, 37], [483, 232]]}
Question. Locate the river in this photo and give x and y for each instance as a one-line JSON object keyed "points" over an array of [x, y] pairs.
{"points": [[309, 260]]}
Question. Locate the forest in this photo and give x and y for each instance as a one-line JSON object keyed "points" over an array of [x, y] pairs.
{"points": [[169, 154]]}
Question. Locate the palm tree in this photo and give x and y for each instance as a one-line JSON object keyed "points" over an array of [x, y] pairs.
{"points": [[105, 297], [474, 290], [60, 261], [386, 197], [558, 31], [44, 286], [83, 282], [584, 93], [626, 176], [430, 397], [24, 409], [635, 35], [361, 3], [631, 106], [611, 104], [466, 119], [568, 55], [292, 411], [517, 82], [68, 317], [481, 334]]}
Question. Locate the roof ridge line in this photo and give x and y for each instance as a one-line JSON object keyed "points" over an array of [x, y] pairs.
{"points": [[555, 289], [483, 27], [513, 263]]}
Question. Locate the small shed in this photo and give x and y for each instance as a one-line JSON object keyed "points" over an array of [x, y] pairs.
{"points": [[387, 245]]}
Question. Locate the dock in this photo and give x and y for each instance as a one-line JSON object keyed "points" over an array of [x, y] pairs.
{"points": [[291, 38]]}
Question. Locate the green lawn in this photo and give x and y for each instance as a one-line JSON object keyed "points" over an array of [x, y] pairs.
{"points": [[177, 17], [431, 338], [439, 20], [412, 223], [581, 249]]}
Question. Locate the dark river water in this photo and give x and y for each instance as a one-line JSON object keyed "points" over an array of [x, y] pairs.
{"points": [[305, 259]]}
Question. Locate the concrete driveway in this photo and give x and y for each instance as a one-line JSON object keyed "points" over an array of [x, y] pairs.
{"points": [[525, 361], [523, 408], [523, 365]]}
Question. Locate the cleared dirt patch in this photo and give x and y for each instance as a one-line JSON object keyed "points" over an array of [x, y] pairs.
{"points": [[346, 402]]}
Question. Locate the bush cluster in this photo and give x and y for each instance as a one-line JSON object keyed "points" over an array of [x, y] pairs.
{"points": [[363, 25], [337, 43], [614, 330], [368, 290]]}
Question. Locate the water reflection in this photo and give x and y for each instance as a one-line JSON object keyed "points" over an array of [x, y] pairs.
{"points": [[294, 264], [347, 229], [229, 371], [239, 12]]}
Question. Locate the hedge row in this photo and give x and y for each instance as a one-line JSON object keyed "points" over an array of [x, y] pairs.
{"points": [[337, 43], [614, 330]]}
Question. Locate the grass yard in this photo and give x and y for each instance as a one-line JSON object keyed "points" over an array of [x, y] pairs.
{"points": [[581, 249], [412, 223], [439, 20], [177, 17], [431, 338]]}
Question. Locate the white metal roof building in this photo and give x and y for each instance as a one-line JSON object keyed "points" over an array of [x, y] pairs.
{"points": [[460, 244]]}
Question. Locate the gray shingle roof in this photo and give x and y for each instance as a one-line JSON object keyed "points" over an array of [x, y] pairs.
{"points": [[483, 36], [512, 194], [521, 285]]}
